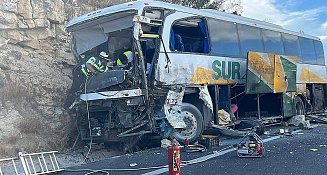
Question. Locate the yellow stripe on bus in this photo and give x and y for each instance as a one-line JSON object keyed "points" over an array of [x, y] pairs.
{"points": [[309, 76], [204, 76], [280, 84], [263, 65]]}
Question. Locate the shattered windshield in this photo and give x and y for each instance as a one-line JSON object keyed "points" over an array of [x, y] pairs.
{"points": [[111, 34]]}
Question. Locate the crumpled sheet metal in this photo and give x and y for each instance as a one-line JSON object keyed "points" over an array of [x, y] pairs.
{"points": [[205, 97], [172, 108]]}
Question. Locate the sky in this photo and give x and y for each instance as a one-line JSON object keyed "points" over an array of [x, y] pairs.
{"points": [[309, 16]]}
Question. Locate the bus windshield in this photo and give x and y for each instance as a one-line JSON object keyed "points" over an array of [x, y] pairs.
{"points": [[111, 34]]}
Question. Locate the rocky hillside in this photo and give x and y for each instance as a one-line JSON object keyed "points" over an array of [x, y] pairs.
{"points": [[35, 73]]}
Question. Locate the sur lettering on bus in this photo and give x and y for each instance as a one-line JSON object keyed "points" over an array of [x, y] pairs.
{"points": [[226, 70]]}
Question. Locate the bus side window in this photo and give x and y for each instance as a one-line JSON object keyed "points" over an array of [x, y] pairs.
{"points": [[250, 39], [189, 35], [307, 50], [319, 52], [224, 38], [291, 45], [273, 42]]}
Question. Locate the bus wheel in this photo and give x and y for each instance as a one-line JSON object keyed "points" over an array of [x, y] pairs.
{"points": [[299, 106], [194, 124]]}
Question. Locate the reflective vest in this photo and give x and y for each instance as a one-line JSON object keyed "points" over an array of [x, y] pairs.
{"points": [[129, 56], [96, 64]]}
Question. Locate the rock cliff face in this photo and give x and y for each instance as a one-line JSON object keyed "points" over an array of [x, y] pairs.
{"points": [[35, 72]]}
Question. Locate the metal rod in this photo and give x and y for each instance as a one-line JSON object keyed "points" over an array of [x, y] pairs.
{"points": [[216, 103], [28, 167], [143, 71], [229, 97], [137, 133], [49, 152], [54, 156], [13, 162], [38, 157], [258, 105], [2, 160], [22, 160], [144, 81], [32, 164], [45, 164], [1, 171], [125, 132], [54, 168]]}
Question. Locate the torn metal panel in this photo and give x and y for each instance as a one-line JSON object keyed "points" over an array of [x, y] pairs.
{"points": [[205, 97], [111, 95], [172, 108], [105, 80]]}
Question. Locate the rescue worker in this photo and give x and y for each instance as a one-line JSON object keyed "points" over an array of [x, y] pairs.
{"points": [[95, 65], [92, 66], [125, 58]]}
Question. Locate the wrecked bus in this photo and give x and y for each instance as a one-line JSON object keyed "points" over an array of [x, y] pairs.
{"points": [[187, 65]]}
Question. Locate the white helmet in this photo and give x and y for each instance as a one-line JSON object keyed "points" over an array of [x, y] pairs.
{"points": [[104, 55]]}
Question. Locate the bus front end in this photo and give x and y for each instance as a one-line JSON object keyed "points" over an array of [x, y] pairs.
{"points": [[114, 106]]}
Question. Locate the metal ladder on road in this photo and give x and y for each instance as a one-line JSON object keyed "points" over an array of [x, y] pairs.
{"points": [[32, 164], [10, 161]]}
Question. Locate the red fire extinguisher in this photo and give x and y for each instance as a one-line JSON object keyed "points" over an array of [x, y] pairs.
{"points": [[259, 149], [174, 160]]}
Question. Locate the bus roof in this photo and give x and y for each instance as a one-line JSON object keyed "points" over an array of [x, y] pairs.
{"points": [[139, 6]]}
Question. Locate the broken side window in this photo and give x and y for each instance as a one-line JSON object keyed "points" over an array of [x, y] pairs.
{"points": [[189, 35]]}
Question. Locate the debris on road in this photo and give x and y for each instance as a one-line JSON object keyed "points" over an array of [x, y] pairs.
{"points": [[299, 121], [314, 150], [209, 141], [266, 133], [195, 148], [165, 143], [318, 118], [228, 131], [281, 131], [224, 117], [133, 164]]}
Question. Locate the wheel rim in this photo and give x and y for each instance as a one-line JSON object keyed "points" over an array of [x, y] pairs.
{"points": [[191, 125]]}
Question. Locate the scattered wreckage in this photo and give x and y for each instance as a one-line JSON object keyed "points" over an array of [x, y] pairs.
{"points": [[177, 81]]}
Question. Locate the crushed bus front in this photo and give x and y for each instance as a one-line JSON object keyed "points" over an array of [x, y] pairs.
{"points": [[113, 106]]}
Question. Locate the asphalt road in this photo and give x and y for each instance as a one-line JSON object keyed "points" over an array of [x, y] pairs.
{"points": [[303, 153]]}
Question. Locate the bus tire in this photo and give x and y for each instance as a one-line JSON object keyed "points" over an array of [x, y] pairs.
{"points": [[194, 124], [299, 107]]}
